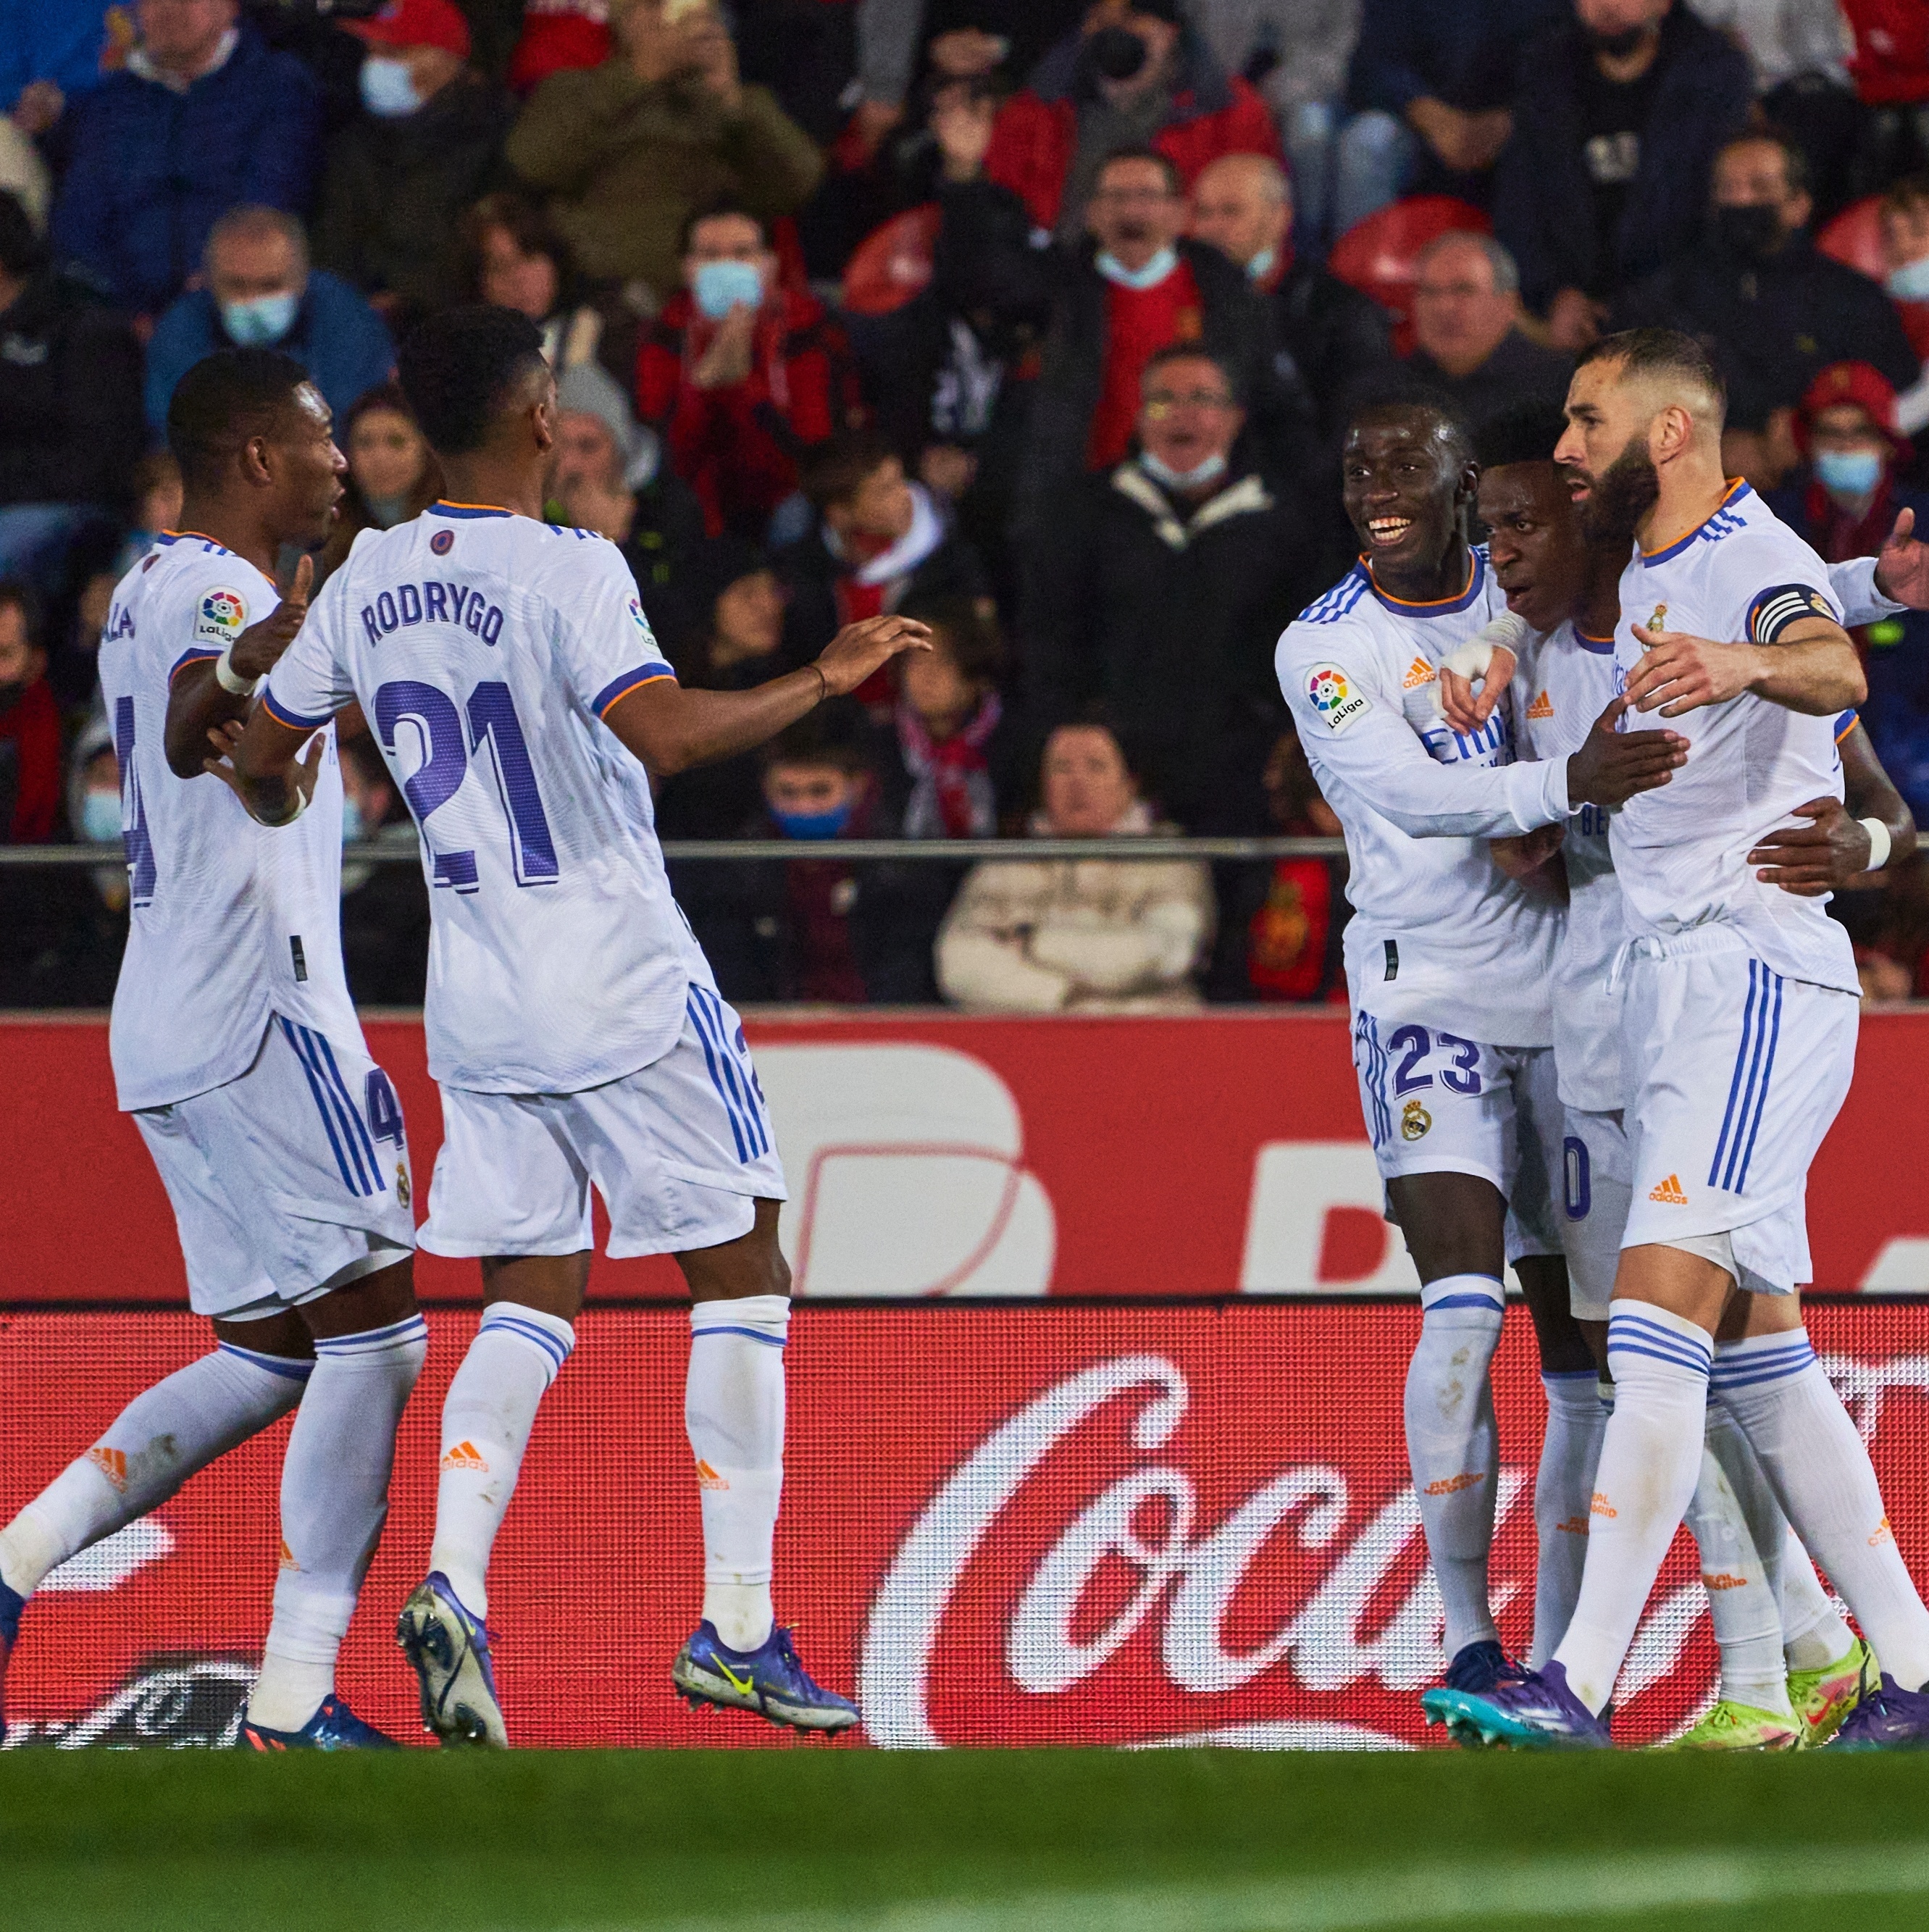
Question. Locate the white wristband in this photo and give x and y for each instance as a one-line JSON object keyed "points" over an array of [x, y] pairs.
{"points": [[1879, 842], [228, 679]]}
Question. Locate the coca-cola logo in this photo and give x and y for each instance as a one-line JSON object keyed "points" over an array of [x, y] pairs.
{"points": [[174, 1703]]}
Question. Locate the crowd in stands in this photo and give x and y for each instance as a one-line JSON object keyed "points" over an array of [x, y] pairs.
{"points": [[1040, 320]]}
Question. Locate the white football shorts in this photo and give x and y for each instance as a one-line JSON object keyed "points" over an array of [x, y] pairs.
{"points": [[1594, 1188], [1735, 1077], [1439, 1103], [288, 1182], [680, 1151]]}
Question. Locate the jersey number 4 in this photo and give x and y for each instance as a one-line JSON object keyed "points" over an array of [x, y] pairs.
{"points": [[447, 748], [135, 837]]}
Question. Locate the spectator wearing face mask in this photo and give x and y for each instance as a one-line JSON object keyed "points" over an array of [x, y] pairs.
{"points": [[1621, 111], [740, 376], [1842, 502], [1905, 239], [427, 143], [1176, 572], [202, 118], [1135, 75], [392, 473], [1774, 309], [261, 293], [385, 907], [1109, 934]]}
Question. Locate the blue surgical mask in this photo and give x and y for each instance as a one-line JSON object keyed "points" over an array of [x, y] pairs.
{"points": [[813, 824], [720, 286], [1261, 265], [351, 827], [1210, 471], [1848, 472], [259, 319], [100, 818], [1909, 283], [388, 88], [1154, 272]]}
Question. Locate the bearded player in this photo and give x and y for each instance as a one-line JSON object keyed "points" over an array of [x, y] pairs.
{"points": [[1448, 960], [237, 1050]]}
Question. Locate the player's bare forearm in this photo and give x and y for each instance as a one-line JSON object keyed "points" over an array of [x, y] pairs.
{"points": [[1813, 668], [1871, 794], [268, 772], [671, 728], [197, 707]]}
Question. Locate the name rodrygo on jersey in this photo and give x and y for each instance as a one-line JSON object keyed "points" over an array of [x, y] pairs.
{"points": [[485, 650]]}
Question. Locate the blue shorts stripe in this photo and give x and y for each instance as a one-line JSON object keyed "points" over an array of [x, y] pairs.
{"points": [[1735, 1080], [354, 1112], [321, 1103], [754, 1133], [1767, 1071], [1751, 1087], [754, 1334], [716, 1079], [344, 1113]]}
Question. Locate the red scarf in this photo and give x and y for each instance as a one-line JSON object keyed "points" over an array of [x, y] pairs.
{"points": [[951, 796]]}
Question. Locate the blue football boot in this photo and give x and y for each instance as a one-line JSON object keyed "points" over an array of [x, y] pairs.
{"points": [[1533, 1712], [769, 1681], [1889, 1718], [11, 1604], [334, 1727], [1477, 1668], [448, 1650]]}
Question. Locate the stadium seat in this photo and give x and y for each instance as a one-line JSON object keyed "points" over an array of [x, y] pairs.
{"points": [[1379, 255], [893, 262], [1854, 237]]}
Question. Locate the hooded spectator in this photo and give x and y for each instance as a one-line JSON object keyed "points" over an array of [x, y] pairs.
{"points": [[1135, 75], [1621, 109], [202, 119], [627, 150], [1178, 566], [1104, 934], [261, 292], [393, 475], [740, 375], [427, 142], [70, 427]]}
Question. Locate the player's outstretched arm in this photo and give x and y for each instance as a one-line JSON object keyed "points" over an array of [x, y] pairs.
{"points": [[1811, 667], [670, 728], [1834, 848], [198, 702]]}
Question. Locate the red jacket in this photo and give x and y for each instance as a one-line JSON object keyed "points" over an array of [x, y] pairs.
{"points": [[736, 447], [33, 724], [1035, 136], [1890, 66]]}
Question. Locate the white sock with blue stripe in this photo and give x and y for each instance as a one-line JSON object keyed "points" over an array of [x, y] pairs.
{"points": [[335, 1500], [1650, 1462], [1815, 1458], [733, 1412], [1563, 1487], [486, 1421], [149, 1449], [1451, 1446]]}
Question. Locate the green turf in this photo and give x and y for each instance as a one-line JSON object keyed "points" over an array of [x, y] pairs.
{"points": [[1170, 1841]]}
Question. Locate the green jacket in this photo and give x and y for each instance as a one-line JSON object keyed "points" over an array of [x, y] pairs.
{"points": [[624, 162]]}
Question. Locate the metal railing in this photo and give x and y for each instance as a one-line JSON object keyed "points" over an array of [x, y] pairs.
{"points": [[394, 851]]}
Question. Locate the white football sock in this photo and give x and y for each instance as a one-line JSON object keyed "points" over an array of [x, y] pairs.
{"points": [[1816, 1458], [1562, 1490], [1742, 1599], [1814, 1633], [149, 1449], [1451, 1446], [733, 1412], [486, 1421], [334, 1499], [1650, 1461]]}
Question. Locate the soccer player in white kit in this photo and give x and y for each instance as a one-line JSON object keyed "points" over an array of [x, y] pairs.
{"points": [[237, 1050], [1741, 1002], [1448, 962], [1791, 1670], [574, 1027]]}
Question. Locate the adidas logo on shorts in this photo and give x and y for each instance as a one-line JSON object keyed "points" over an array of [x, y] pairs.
{"points": [[1668, 1192]]}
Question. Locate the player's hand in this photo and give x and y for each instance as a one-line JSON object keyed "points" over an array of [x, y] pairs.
{"points": [[1464, 709], [858, 649], [1519, 857], [1827, 854], [259, 648], [1678, 673], [1612, 766], [1902, 564]]}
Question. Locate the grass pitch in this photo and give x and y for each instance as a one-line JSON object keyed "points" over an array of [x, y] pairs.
{"points": [[1066, 1841]]}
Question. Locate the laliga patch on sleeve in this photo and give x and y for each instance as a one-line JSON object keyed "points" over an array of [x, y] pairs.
{"points": [[1774, 609], [221, 618], [1337, 702]]}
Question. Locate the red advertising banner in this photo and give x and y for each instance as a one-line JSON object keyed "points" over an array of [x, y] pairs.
{"points": [[938, 1155], [1047, 1524]]}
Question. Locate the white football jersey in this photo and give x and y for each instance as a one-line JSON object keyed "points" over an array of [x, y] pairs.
{"points": [[1440, 936], [1682, 850], [485, 650], [230, 921]]}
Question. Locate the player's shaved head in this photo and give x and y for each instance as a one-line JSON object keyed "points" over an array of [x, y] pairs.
{"points": [[224, 400], [465, 370]]}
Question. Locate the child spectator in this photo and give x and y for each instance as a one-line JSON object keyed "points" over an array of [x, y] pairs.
{"points": [[30, 760], [392, 473], [1292, 940], [1104, 935]]}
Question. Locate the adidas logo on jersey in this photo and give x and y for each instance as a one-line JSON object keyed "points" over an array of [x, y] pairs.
{"points": [[1669, 1192], [466, 1456], [1418, 673], [1543, 707]]}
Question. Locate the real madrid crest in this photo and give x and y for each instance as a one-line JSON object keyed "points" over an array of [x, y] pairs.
{"points": [[1415, 1121]]}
